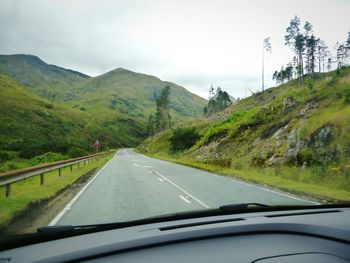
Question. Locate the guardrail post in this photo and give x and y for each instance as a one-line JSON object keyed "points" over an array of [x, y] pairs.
{"points": [[59, 172], [71, 167], [78, 166], [84, 162], [8, 190], [42, 179]]}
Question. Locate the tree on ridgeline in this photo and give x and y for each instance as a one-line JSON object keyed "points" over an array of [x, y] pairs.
{"points": [[322, 55], [267, 48], [218, 101], [296, 40]]}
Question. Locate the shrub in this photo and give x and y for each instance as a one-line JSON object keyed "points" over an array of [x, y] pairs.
{"points": [[305, 155], [183, 138], [77, 152], [346, 96], [309, 83], [3, 156]]}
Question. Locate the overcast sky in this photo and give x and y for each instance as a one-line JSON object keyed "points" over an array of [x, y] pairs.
{"points": [[189, 42]]}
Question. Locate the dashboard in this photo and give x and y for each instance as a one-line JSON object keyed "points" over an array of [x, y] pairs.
{"points": [[315, 235]]}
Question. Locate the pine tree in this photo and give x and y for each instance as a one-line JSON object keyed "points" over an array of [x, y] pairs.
{"points": [[151, 125], [163, 118], [295, 39]]}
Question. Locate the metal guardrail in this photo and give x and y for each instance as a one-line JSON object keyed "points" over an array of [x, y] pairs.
{"points": [[10, 177]]}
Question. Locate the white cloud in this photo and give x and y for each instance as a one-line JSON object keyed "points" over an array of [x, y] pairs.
{"points": [[194, 43]]}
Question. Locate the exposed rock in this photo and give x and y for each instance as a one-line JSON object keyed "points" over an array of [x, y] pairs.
{"points": [[322, 137], [274, 161], [306, 111], [288, 102]]}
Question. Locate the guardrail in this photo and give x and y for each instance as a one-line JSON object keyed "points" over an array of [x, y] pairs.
{"points": [[10, 177]]}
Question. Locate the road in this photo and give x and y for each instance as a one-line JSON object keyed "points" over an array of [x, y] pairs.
{"points": [[133, 186]]}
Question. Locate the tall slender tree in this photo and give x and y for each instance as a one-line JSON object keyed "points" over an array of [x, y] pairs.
{"points": [[151, 125], [266, 47], [296, 40]]}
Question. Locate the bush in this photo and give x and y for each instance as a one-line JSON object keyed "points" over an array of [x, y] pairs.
{"points": [[346, 96], [48, 157], [77, 152], [183, 138], [3, 156], [309, 83], [305, 155]]}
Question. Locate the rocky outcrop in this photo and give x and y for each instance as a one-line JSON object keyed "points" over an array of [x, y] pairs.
{"points": [[288, 102]]}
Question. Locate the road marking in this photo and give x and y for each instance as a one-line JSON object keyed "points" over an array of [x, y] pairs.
{"points": [[143, 166], [185, 199], [182, 190], [69, 205], [127, 154], [275, 192], [238, 181]]}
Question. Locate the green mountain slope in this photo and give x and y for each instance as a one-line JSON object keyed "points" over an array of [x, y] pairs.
{"points": [[119, 91], [30, 125], [300, 134], [133, 94], [48, 108], [46, 80]]}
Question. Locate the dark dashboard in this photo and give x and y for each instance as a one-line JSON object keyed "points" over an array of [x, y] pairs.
{"points": [[315, 235]]}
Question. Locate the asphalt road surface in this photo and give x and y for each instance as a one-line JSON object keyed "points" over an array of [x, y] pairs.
{"points": [[133, 186]]}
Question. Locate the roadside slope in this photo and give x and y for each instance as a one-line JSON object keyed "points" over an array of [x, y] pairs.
{"points": [[288, 133]]}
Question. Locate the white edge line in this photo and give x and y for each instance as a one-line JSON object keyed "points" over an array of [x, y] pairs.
{"points": [[249, 184], [69, 205], [276, 192], [184, 198], [184, 191]]}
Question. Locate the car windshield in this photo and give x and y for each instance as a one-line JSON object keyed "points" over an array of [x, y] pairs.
{"points": [[114, 111]]}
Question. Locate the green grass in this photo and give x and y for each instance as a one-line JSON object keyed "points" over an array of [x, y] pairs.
{"points": [[29, 191]]}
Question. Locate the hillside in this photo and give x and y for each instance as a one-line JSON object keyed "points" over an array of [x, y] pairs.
{"points": [[299, 134], [133, 94], [118, 92], [47, 108], [30, 126], [48, 81]]}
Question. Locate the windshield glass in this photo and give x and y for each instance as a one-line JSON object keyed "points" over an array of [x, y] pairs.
{"points": [[112, 111]]}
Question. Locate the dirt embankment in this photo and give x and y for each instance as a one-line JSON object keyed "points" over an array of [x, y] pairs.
{"points": [[39, 214]]}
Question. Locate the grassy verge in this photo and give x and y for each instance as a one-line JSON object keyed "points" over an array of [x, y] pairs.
{"points": [[29, 191], [324, 193]]}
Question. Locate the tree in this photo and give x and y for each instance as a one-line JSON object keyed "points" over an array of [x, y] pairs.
{"points": [[218, 101], [267, 48], [341, 54], [151, 125], [205, 110], [322, 54], [329, 64], [295, 39], [211, 92], [274, 76], [163, 118], [311, 44], [347, 46]]}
